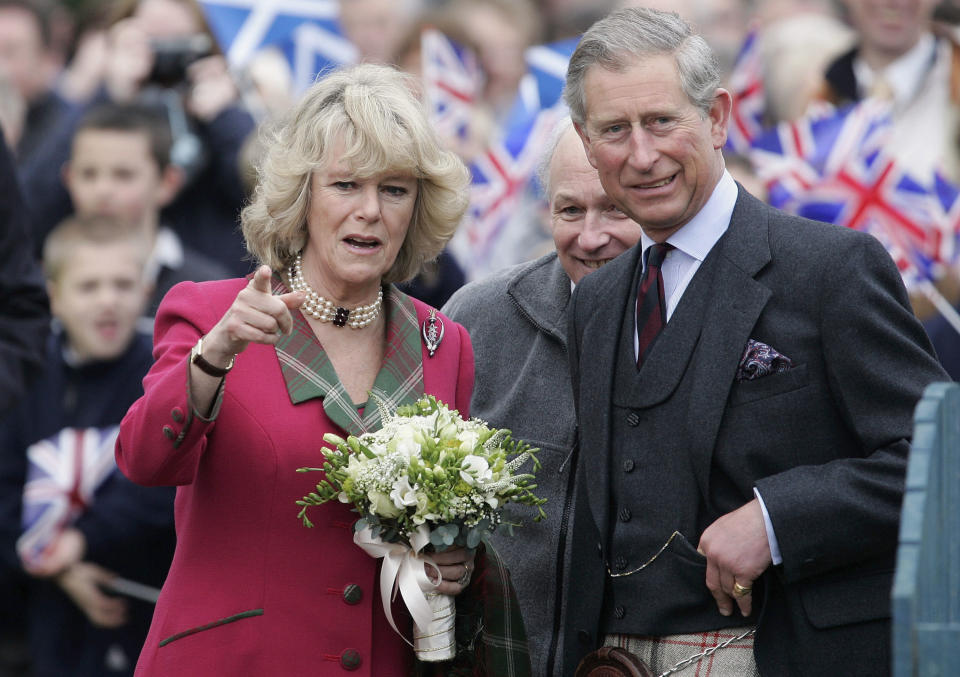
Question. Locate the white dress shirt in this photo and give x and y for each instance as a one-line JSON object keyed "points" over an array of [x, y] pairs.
{"points": [[692, 244]]}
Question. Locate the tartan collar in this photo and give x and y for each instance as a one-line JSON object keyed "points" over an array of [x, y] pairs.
{"points": [[309, 374]]}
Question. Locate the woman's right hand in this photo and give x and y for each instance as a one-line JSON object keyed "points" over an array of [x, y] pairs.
{"points": [[256, 316]]}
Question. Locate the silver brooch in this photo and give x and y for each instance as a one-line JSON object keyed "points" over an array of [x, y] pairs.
{"points": [[432, 332]]}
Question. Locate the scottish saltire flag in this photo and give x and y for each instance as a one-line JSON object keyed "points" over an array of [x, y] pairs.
{"points": [[306, 31], [452, 84], [63, 473], [746, 87], [547, 69]]}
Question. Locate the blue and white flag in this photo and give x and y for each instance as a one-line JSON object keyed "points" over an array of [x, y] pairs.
{"points": [[63, 473], [307, 32]]}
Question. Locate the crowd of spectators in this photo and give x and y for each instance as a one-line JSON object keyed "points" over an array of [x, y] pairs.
{"points": [[127, 111]]}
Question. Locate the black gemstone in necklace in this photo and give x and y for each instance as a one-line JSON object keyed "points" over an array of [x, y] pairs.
{"points": [[340, 319]]}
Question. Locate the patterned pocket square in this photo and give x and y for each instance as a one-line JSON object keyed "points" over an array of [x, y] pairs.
{"points": [[758, 360]]}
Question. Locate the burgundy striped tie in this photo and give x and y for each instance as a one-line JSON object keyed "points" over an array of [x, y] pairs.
{"points": [[651, 307]]}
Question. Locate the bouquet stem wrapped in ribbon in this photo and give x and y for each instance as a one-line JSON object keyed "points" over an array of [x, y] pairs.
{"points": [[428, 480]]}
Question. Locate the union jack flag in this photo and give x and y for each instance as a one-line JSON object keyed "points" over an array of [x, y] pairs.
{"points": [[63, 473], [306, 31], [834, 168], [746, 87], [452, 81], [947, 212], [504, 173], [792, 157]]}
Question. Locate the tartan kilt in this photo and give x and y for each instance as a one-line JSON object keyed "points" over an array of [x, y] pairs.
{"points": [[663, 653]]}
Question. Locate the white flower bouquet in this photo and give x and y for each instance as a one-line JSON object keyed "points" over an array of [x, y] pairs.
{"points": [[428, 480]]}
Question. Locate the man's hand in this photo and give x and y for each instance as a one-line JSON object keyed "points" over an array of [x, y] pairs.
{"points": [[737, 552], [82, 583], [68, 549]]}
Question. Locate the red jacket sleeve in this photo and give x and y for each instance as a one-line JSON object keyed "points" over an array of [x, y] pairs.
{"points": [[162, 438]]}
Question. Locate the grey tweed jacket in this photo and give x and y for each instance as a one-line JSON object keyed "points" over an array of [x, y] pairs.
{"points": [[517, 323]]}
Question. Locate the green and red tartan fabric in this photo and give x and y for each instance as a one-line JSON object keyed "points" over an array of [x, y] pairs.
{"points": [[309, 373], [491, 639]]}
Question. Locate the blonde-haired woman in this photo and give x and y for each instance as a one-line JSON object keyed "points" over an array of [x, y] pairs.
{"points": [[353, 193]]}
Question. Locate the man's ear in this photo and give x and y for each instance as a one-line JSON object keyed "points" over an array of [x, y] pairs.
{"points": [[170, 183], [719, 116], [585, 138]]}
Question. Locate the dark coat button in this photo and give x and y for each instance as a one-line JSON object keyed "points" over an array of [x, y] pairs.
{"points": [[619, 611], [177, 414], [584, 637], [633, 419], [625, 514], [352, 594], [628, 465], [621, 562], [168, 432], [350, 659]]}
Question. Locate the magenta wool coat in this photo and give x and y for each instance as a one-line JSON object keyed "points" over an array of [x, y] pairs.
{"points": [[251, 591]]}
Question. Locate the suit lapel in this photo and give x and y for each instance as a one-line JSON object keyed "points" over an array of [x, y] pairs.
{"points": [[736, 300]]}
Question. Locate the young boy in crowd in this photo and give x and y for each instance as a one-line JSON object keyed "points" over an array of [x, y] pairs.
{"points": [[120, 167], [95, 362]]}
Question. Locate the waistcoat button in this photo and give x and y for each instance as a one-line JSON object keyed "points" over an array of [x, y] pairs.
{"points": [[625, 514], [633, 419], [619, 611], [628, 465]]}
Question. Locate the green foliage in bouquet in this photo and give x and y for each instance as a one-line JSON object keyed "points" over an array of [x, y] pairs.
{"points": [[427, 468]]}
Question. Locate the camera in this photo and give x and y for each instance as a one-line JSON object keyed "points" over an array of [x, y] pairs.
{"points": [[172, 57]]}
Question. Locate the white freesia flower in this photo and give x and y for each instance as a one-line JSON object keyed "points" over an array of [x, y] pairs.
{"points": [[475, 469], [403, 494], [381, 504], [468, 440]]}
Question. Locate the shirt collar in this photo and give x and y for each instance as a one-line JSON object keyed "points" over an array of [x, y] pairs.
{"points": [[309, 374], [905, 75], [167, 252], [698, 236]]}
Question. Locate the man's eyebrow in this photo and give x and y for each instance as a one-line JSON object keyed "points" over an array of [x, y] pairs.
{"points": [[561, 196]]}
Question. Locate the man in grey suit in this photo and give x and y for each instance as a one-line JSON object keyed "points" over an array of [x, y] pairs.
{"points": [[745, 383], [517, 321]]}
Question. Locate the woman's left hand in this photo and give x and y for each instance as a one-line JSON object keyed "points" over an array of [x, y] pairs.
{"points": [[456, 569]]}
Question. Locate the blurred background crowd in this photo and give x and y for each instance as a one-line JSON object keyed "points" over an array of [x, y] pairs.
{"points": [[132, 133]]}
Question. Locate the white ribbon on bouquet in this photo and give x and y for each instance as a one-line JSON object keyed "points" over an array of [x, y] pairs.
{"points": [[403, 570]]}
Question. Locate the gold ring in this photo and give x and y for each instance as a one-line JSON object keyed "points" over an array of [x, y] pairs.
{"points": [[741, 590], [463, 580]]}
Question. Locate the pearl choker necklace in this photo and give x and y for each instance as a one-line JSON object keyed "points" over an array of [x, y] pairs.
{"points": [[321, 309]]}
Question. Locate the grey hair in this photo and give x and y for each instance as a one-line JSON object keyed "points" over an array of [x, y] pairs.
{"points": [[617, 40], [563, 126], [372, 111]]}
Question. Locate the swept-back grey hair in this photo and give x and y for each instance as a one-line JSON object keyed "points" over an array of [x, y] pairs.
{"points": [[617, 40], [372, 113]]}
